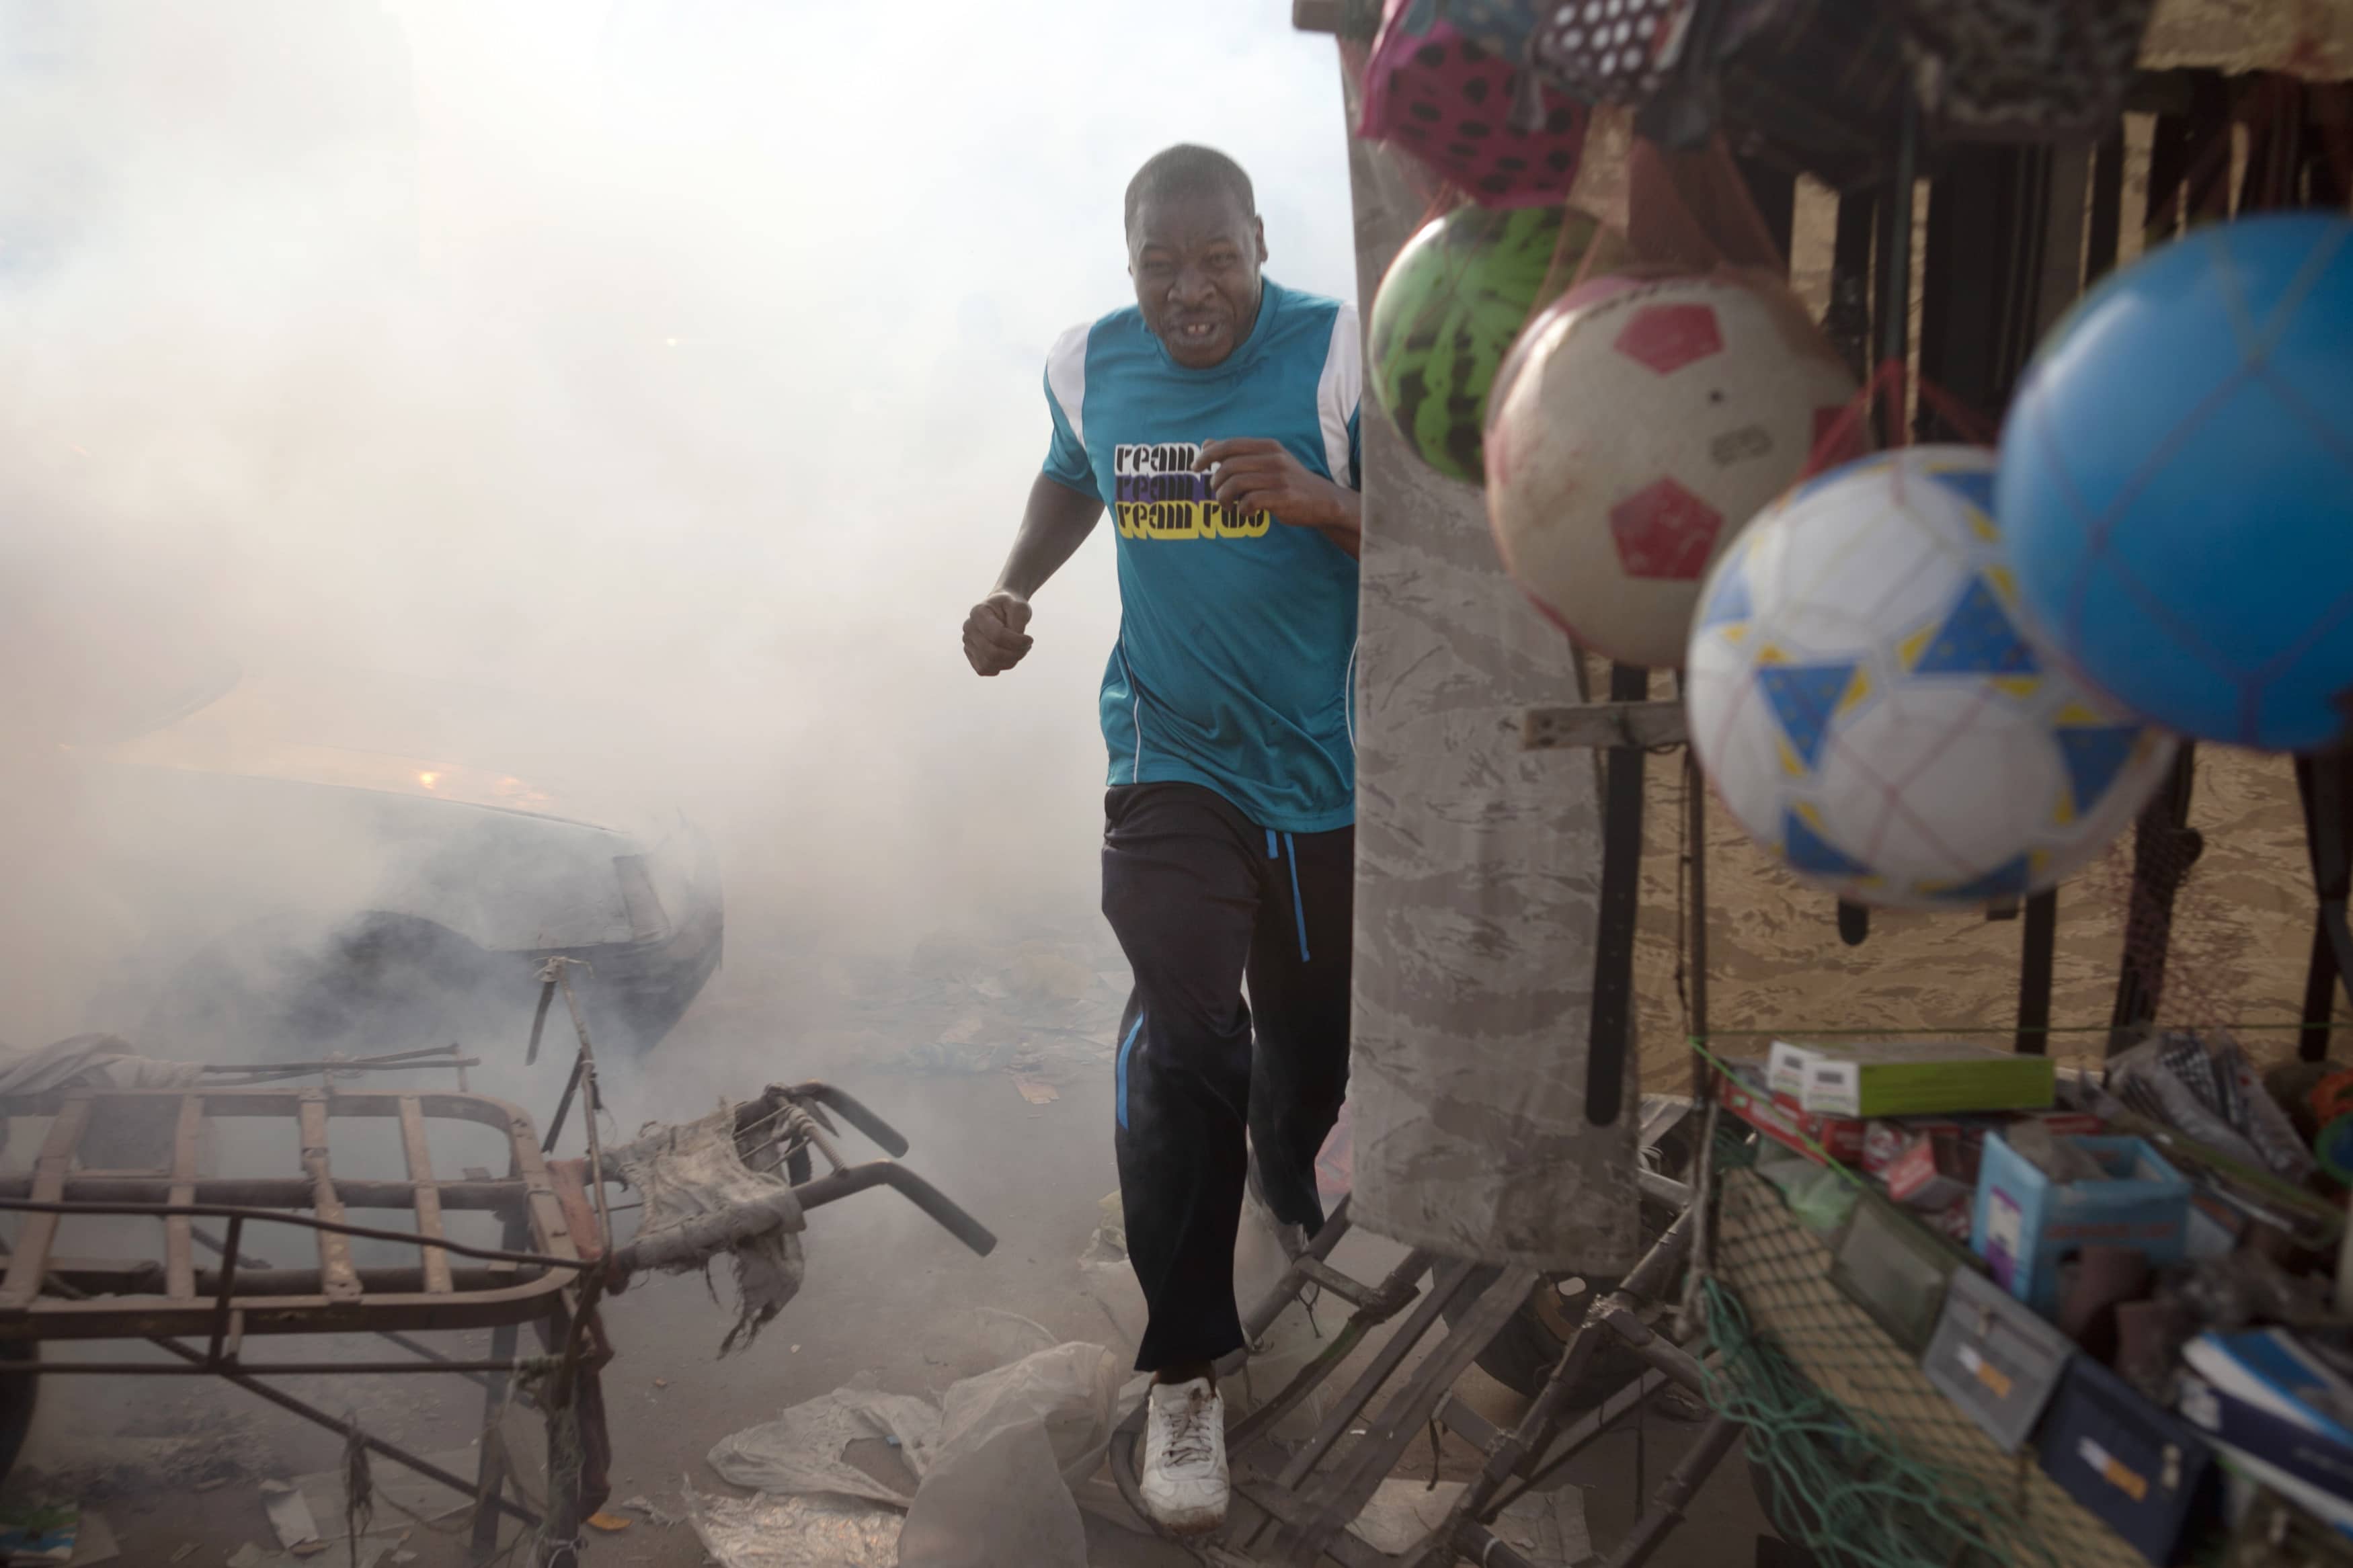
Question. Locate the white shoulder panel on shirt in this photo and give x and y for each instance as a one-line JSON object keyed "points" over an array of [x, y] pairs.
{"points": [[1066, 376], [1337, 393]]}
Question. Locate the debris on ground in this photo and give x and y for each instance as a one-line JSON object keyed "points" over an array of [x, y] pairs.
{"points": [[94, 1542], [794, 1531], [394, 1488], [1044, 1008], [191, 1446], [36, 1532], [984, 1475], [661, 1517], [289, 1515], [1547, 1528], [367, 1552], [608, 1524]]}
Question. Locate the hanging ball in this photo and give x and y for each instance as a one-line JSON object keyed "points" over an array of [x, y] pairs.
{"points": [[1640, 426], [2176, 485], [1446, 314], [1864, 700]]}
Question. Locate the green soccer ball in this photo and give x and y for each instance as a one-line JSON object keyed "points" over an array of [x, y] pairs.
{"points": [[1454, 299]]}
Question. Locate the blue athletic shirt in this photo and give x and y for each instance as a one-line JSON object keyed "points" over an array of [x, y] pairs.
{"points": [[1237, 633]]}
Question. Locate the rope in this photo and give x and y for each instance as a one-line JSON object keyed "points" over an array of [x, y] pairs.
{"points": [[2004, 1031], [1846, 1494]]}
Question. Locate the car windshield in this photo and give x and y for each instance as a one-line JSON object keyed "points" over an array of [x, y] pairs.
{"points": [[131, 701]]}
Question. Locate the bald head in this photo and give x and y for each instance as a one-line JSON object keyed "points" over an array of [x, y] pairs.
{"points": [[1194, 247], [1187, 171]]}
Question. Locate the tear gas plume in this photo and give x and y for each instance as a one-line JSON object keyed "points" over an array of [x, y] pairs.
{"points": [[607, 411]]}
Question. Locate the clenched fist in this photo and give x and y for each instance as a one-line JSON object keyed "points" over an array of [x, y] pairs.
{"points": [[994, 636]]}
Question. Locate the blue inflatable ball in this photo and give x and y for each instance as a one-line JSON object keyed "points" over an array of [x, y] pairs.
{"points": [[2175, 489]]}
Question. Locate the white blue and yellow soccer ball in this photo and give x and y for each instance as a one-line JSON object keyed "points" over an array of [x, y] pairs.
{"points": [[1861, 696]]}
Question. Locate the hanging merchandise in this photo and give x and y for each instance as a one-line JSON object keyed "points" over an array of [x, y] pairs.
{"points": [[1500, 26], [1613, 51], [1467, 113], [1814, 85], [2023, 71], [1447, 313], [1635, 429], [1660, 56], [1865, 706], [2176, 485]]}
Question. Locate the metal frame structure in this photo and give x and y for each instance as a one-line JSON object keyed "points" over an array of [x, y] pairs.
{"points": [[2045, 224], [1297, 1505], [543, 1276], [555, 1262]]}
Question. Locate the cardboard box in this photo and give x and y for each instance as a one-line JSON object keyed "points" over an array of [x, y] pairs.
{"points": [[1908, 1077], [1744, 1094], [1995, 1359], [2024, 1224], [2144, 1471], [1938, 1169]]}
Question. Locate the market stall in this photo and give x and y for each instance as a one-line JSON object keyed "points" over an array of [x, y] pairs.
{"points": [[1948, 561]]}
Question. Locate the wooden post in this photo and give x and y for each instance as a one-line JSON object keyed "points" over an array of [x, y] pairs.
{"points": [[1478, 867]]}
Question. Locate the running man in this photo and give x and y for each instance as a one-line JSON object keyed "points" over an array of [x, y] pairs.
{"points": [[1217, 417]]}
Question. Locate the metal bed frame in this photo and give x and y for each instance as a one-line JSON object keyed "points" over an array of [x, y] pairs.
{"points": [[551, 1270]]}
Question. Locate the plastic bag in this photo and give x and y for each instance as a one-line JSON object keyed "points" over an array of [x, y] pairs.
{"points": [[1001, 1502], [992, 1465], [802, 1450], [1068, 1393]]}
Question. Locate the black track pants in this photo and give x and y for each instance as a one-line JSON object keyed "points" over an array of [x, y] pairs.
{"points": [[1200, 897]]}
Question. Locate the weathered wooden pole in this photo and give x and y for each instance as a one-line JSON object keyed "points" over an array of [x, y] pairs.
{"points": [[1478, 863]]}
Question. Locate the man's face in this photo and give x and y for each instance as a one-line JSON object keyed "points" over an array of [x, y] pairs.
{"points": [[1195, 259]]}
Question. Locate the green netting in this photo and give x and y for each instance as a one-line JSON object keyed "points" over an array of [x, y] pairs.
{"points": [[1874, 1466]]}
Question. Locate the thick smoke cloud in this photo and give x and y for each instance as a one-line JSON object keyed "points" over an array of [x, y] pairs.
{"points": [[628, 397]]}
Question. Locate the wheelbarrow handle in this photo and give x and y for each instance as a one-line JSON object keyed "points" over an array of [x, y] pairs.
{"points": [[889, 1173], [884, 1136]]}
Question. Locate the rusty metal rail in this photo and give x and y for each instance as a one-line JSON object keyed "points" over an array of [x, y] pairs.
{"points": [[336, 1294], [543, 1201]]}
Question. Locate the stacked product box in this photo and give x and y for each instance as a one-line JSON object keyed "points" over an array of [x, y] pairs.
{"points": [[2132, 1294]]}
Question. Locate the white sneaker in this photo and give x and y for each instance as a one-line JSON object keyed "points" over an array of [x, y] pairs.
{"points": [[1183, 1482]]}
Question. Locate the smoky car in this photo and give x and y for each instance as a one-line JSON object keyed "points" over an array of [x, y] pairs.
{"points": [[338, 864]]}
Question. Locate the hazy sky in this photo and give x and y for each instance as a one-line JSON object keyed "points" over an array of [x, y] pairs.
{"points": [[675, 359]]}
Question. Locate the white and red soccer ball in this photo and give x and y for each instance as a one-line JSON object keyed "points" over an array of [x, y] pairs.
{"points": [[1637, 427]]}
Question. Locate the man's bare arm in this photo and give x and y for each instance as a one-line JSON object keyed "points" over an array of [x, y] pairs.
{"points": [[1053, 525]]}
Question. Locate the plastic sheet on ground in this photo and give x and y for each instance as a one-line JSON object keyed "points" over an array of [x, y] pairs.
{"points": [[794, 1531], [1002, 1503], [803, 1449], [993, 1466]]}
